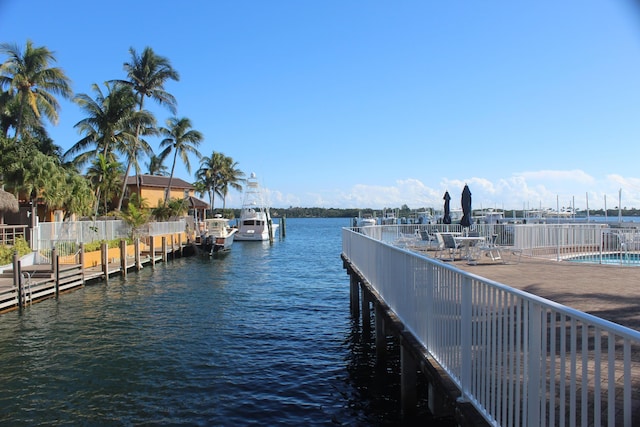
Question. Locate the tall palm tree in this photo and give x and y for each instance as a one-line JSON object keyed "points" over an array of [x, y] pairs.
{"points": [[156, 166], [34, 83], [209, 174], [110, 122], [147, 74], [105, 174], [232, 177], [182, 140]]}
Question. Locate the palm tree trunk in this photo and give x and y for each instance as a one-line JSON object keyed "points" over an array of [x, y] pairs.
{"points": [[173, 166], [124, 186]]}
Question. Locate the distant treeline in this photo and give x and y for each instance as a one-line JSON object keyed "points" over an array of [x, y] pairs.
{"points": [[311, 212], [402, 212]]}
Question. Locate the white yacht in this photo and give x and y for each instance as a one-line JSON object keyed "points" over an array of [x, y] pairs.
{"points": [[255, 219]]}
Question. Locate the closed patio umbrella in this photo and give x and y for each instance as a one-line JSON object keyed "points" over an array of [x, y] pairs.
{"points": [[466, 207], [446, 219]]}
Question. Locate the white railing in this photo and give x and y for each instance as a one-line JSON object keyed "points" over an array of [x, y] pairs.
{"points": [[65, 234], [519, 359], [81, 231], [551, 241], [170, 227], [561, 241]]}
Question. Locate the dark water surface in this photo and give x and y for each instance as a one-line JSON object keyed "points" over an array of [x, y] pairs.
{"points": [[262, 336]]}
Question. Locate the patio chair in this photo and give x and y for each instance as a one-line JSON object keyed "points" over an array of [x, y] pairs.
{"points": [[450, 245], [490, 248]]}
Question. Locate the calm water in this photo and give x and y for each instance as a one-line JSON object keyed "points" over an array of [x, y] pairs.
{"points": [[262, 336]]}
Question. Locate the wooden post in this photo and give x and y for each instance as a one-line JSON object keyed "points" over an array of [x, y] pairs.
{"points": [[104, 260], [136, 250], [123, 258], [408, 383], [283, 226], [366, 313], [180, 243], [173, 250], [164, 248], [56, 271], [355, 295], [81, 260], [381, 335], [152, 250], [17, 277]]}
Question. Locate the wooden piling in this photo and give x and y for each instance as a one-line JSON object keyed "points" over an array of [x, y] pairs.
{"points": [[123, 258], [55, 267], [355, 296], [381, 335], [152, 251], [104, 257], [136, 250], [408, 383], [81, 261], [17, 277], [366, 313], [164, 249], [283, 226]]}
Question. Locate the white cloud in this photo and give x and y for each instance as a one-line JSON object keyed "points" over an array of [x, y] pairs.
{"points": [[528, 190]]}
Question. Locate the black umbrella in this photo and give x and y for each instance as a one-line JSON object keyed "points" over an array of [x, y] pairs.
{"points": [[466, 207], [446, 219]]}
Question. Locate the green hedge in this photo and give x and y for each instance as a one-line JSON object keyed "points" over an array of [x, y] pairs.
{"points": [[95, 246], [6, 251]]}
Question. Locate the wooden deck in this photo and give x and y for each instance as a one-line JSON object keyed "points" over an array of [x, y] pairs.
{"points": [[40, 282]]}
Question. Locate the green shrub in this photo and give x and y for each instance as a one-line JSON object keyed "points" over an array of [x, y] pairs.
{"points": [[6, 251], [95, 246]]}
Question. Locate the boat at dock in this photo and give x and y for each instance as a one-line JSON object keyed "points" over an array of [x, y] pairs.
{"points": [[218, 235], [255, 219]]}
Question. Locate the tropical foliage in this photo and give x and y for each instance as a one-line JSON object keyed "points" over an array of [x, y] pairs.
{"points": [[115, 137]]}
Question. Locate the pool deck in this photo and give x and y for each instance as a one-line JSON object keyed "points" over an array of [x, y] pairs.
{"points": [[606, 291]]}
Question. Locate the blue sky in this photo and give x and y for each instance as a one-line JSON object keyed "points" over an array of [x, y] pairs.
{"points": [[377, 103]]}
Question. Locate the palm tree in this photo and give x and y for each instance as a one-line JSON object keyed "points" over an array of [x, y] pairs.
{"points": [[182, 140], [155, 166], [29, 78], [104, 175], [232, 177], [110, 122], [147, 76], [209, 174]]}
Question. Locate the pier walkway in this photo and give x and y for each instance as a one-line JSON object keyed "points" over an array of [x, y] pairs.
{"points": [[527, 342], [606, 291]]}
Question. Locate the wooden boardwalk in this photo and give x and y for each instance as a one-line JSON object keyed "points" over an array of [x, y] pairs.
{"points": [[40, 282]]}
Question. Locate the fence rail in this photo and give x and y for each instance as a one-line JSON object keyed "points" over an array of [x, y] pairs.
{"points": [[9, 233], [519, 359]]}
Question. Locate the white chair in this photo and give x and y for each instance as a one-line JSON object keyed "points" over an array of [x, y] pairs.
{"points": [[489, 248]]}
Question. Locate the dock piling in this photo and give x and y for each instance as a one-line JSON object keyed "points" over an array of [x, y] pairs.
{"points": [[123, 258]]}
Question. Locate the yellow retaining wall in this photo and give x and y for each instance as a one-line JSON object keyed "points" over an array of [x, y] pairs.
{"points": [[92, 259]]}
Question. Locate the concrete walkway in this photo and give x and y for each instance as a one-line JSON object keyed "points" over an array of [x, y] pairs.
{"points": [[607, 291]]}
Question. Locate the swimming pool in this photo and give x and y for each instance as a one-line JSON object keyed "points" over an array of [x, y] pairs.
{"points": [[611, 258]]}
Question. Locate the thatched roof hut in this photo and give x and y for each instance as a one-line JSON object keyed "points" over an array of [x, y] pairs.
{"points": [[8, 203]]}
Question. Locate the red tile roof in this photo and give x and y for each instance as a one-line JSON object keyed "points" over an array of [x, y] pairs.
{"points": [[159, 181]]}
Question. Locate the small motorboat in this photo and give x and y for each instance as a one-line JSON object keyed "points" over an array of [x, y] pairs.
{"points": [[217, 235]]}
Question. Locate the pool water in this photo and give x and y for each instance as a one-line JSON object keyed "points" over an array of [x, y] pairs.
{"points": [[616, 258]]}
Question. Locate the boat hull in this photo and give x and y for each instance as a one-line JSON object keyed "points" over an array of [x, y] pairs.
{"points": [[255, 235]]}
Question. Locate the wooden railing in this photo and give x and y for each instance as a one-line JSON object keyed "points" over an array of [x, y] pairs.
{"points": [[9, 233]]}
